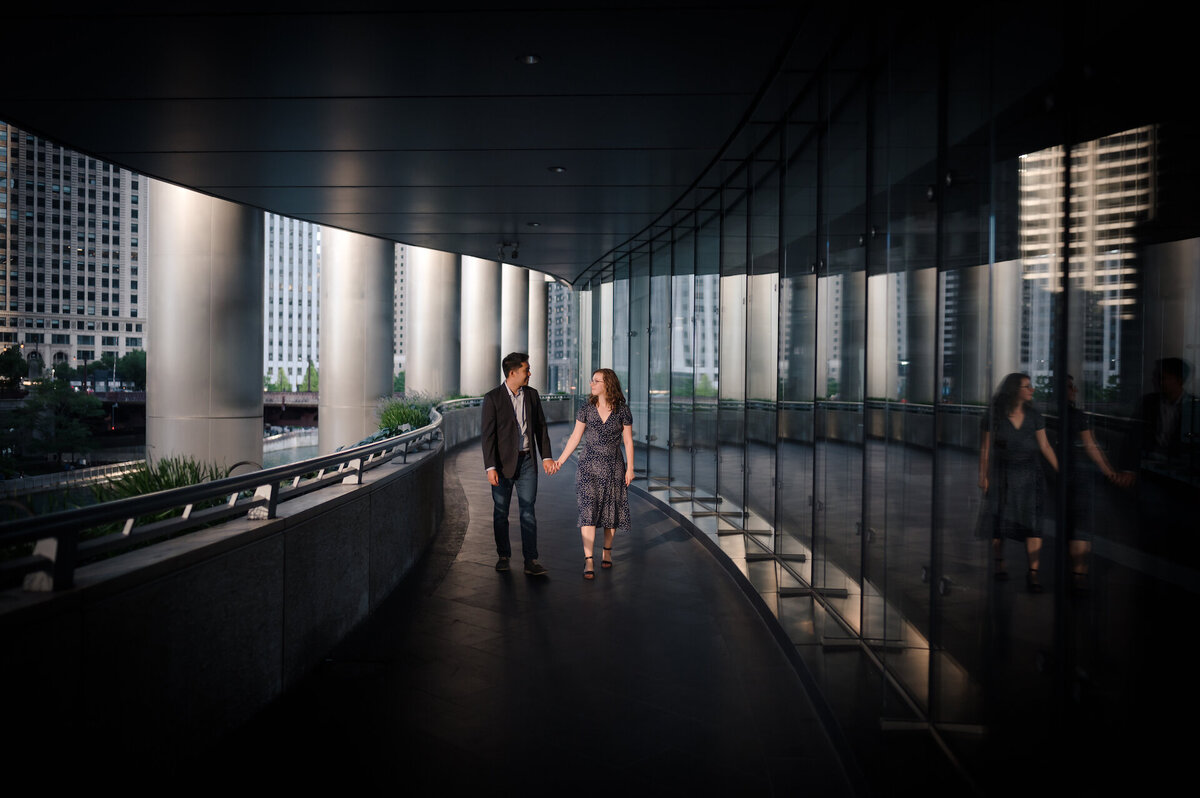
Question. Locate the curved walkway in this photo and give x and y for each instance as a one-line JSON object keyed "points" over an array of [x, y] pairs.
{"points": [[657, 675]]}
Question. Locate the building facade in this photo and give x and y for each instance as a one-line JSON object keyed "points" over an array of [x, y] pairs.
{"points": [[71, 250], [291, 292]]}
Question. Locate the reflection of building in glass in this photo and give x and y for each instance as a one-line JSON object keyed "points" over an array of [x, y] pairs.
{"points": [[562, 331], [696, 304], [291, 297], [71, 272], [829, 306], [1111, 194]]}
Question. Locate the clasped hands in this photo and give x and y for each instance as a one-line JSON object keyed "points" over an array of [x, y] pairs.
{"points": [[550, 467]]}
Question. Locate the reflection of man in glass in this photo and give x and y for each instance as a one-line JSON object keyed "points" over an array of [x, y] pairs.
{"points": [[1083, 484], [1168, 415]]}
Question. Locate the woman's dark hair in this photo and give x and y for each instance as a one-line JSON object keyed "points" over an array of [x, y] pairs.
{"points": [[612, 389], [1008, 395]]}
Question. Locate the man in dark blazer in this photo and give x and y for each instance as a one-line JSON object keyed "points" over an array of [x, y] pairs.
{"points": [[514, 429]]}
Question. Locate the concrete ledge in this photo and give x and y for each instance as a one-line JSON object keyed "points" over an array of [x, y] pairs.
{"points": [[170, 646]]}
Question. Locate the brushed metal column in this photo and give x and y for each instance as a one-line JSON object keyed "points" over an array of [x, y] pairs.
{"points": [[479, 368], [538, 361], [204, 362], [432, 345], [514, 316], [357, 314]]}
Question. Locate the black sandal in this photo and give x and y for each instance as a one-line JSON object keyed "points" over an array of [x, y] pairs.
{"points": [[606, 563], [1031, 581], [588, 573], [1000, 574]]}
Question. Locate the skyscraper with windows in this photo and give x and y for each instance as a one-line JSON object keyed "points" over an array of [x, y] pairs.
{"points": [[71, 273], [562, 333], [291, 298], [398, 325], [292, 301]]}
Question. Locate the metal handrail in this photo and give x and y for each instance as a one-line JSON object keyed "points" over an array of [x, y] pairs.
{"points": [[56, 535]]}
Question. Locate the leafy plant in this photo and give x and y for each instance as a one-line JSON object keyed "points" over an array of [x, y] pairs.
{"points": [[412, 410], [164, 474]]}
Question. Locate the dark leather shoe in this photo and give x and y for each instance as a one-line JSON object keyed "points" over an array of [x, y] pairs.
{"points": [[534, 568], [502, 564]]}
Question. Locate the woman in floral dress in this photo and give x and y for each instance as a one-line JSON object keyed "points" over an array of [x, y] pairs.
{"points": [[603, 476]]}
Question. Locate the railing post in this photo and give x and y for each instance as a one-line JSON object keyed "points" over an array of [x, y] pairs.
{"points": [[270, 492], [61, 575]]}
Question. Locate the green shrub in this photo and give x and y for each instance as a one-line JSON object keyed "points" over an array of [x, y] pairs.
{"points": [[412, 410], [165, 474]]}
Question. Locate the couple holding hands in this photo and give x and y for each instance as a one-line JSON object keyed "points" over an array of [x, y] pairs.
{"points": [[514, 427]]}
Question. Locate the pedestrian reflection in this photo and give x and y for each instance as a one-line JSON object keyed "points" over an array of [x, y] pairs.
{"points": [[1084, 484], [1165, 422], [1013, 434]]}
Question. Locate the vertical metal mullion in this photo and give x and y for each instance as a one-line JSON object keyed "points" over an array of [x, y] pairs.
{"points": [[781, 266], [935, 540]]}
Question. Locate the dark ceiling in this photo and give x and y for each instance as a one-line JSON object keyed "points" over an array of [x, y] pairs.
{"points": [[420, 126]]}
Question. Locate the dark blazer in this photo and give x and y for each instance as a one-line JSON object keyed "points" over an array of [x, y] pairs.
{"points": [[501, 433]]}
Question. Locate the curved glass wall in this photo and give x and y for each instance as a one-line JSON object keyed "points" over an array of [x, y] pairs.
{"points": [[811, 344]]}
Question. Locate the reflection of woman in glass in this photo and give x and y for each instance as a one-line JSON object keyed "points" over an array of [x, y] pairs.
{"points": [[603, 476], [1010, 474]]}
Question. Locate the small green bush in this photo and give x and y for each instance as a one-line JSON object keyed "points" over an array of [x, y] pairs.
{"points": [[411, 409], [164, 474]]}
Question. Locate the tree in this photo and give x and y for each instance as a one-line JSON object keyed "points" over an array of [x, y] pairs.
{"points": [[281, 382], [132, 369], [66, 372], [58, 419], [104, 369], [13, 367], [398, 383], [311, 378]]}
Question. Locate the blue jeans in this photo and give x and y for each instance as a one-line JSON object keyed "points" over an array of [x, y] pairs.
{"points": [[526, 485]]}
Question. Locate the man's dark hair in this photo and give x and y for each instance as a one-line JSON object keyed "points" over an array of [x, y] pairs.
{"points": [[513, 361], [1175, 367]]}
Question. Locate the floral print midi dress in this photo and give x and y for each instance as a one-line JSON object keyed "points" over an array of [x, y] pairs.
{"points": [[600, 480]]}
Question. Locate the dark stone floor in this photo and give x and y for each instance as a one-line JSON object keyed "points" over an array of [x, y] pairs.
{"points": [[659, 675]]}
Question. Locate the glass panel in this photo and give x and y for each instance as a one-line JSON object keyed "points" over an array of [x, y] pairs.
{"points": [[621, 320], [637, 388], [762, 346], [658, 430], [900, 570], [707, 352], [731, 428], [587, 336], [841, 314], [684, 335], [797, 362], [964, 384]]}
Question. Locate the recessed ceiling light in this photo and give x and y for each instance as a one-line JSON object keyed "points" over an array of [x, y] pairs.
{"points": [[530, 59], [533, 224], [558, 170]]}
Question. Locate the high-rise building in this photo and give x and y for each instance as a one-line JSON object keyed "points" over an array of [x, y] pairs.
{"points": [[562, 335], [398, 323], [291, 298], [72, 277]]}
